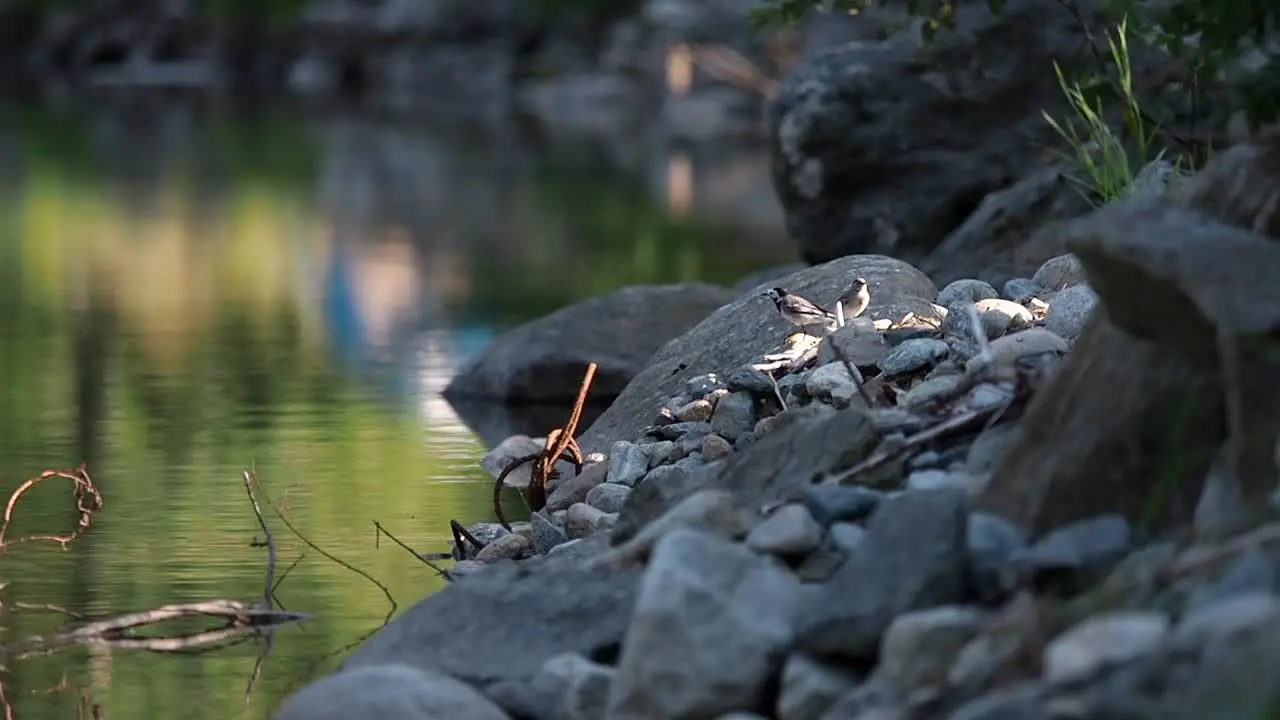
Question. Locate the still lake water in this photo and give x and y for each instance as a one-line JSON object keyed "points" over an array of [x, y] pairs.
{"points": [[184, 294]]}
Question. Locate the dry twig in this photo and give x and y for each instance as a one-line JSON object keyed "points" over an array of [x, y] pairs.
{"points": [[379, 531], [88, 502], [560, 444]]}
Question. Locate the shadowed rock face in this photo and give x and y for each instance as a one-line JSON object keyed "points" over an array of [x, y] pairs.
{"points": [[750, 327], [544, 360], [872, 136], [1191, 316]]}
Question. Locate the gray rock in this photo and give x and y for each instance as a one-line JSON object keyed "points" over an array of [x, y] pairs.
{"points": [[734, 415], [1084, 550], [913, 557], [810, 688], [919, 647], [1000, 316], [846, 536], [507, 452], [748, 379], [1019, 702], [876, 699], [574, 488], [583, 520], [931, 390], [1221, 510], [1069, 310], [789, 531], [748, 328], [830, 180], [913, 355], [711, 624], [989, 447], [466, 568], [390, 690], [546, 534], [1021, 290], [1103, 640], [712, 512], [993, 546], [584, 686], [628, 463], [831, 384], [619, 332], [804, 443], [937, 480], [1243, 685], [703, 385], [715, 447], [608, 497], [468, 629], [965, 291], [1227, 619], [1061, 272], [660, 490], [840, 503], [697, 411], [662, 453], [1253, 571], [507, 547]]}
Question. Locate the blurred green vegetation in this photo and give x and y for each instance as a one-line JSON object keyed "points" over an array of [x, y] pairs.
{"points": [[165, 331]]}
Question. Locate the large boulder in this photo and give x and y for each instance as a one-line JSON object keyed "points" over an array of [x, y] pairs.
{"points": [[895, 142], [1136, 416], [544, 360], [750, 327], [503, 623]]}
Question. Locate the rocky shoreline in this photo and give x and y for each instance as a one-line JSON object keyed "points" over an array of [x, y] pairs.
{"points": [[1051, 499]]}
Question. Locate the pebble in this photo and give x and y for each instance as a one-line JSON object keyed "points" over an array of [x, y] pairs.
{"points": [[388, 691], [919, 647], [789, 531], [1000, 316], [609, 497], [1069, 310], [628, 462], [1032, 341], [965, 291], [574, 488], [749, 379], [734, 415], [585, 686], [546, 534], [913, 355], [831, 504], [810, 688], [1252, 571], [1021, 290], [936, 480], [1089, 545], [846, 536], [831, 383], [1060, 272], [1225, 619], [993, 544], [583, 520], [1103, 640], [463, 568], [715, 447], [929, 390], [696, 411], [662, 452], [702, 385]]}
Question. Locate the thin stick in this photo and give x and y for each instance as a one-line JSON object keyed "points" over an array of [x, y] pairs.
{"points": [[854, 374], [777, 392], [250, 478], [439, 570], [878, 458], [307, 541], [88, 502], [980, 336]]}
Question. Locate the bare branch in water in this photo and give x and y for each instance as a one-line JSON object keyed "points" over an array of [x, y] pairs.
{"points": [[88, 502], [383, 531]]}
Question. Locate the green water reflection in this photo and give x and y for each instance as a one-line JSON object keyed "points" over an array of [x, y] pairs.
{"points": [[172, 310]]}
